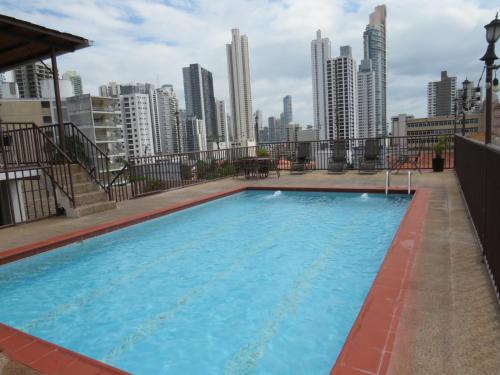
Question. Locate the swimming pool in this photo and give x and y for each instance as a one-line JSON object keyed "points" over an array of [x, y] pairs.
{"points": [[254, 283]]}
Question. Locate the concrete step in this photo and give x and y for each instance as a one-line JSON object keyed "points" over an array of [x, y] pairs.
{"points": [[90, 209], [84, 187], [83, 199]]}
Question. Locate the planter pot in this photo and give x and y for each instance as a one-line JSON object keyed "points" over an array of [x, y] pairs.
{"points": [[437, 164]]}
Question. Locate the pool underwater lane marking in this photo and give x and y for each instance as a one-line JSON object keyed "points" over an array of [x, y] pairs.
{"points": [[246, 359], [95, 293], [154, 323]]}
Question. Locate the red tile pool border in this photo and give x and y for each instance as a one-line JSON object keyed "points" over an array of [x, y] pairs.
{"points": [[367, 349]]}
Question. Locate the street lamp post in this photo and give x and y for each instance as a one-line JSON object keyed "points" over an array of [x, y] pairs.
{"points": [[465, 102], [492, 35]]}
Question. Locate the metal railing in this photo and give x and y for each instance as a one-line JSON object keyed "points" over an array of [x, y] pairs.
{"points": [[152, 174], [84, 152], [32, 166], [478, 170], [394, 152]]}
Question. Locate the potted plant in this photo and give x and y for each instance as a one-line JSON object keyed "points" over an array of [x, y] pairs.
{"points": [[438, 160], [262, 153]]}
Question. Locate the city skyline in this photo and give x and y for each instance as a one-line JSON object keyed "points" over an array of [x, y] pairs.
{"points": [[279, 51]]}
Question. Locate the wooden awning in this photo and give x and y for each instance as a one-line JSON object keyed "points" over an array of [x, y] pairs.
{"points": [[23, 42]]}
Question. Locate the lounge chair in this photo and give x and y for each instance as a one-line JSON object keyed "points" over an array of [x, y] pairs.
{"points": [[370, 157], [336, 163], [302, 158], [409, 156]]}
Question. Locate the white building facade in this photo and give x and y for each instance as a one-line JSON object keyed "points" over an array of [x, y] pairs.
{"points": [[240, 91], [222, 122], [320, 54], [136, 117], [166, 130], [342, 107], [367, 127], [76, 81]]}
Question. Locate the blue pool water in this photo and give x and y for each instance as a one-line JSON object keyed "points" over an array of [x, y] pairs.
{"points": [[255, 283]]}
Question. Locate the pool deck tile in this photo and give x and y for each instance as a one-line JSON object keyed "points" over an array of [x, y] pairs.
{"points": [[47, 357]]}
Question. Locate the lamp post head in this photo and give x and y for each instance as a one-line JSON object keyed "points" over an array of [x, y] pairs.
{"points": [[493, 30], [492, 35]]}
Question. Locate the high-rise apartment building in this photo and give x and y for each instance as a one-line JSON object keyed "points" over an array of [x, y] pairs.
{"points": [[240, 91], [222, 122], [320, 54], [28, 79], [287, 110], [441, 96], [342, 99], [375, 49], [367, 127], [99, 118], [257, 123], [76, 81], [199, 95], [136, 117], [195, 138], [167, 135], [112, 89], [272, 123]]}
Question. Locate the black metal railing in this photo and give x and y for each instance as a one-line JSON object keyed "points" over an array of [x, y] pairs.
{"points": [[478, 170], [32, 166], [83, 151], [393, 152], [152, 174]]}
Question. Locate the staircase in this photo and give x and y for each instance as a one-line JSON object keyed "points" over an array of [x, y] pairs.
{"points": [[89, 198]]}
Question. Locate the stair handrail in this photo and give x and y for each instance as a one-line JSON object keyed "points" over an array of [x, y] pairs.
{"points": [[121, 192], [87, 155], [60, 178]]}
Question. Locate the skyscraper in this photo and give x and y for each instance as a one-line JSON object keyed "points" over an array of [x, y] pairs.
{"points": [[76, 81], [287, 110], [112, 89], [29, 78], [320, 53], [342, 96], [240, 91], [166, 132], [199, 95], [366, 100], [222, 122], [136, 115], [374, 39], [441, 96], [272, 123]]}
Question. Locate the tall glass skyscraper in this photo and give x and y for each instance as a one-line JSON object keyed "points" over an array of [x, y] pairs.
{"points": [[320, 53], [374, 39], [200, 99], [240, 92], [287, 110]]}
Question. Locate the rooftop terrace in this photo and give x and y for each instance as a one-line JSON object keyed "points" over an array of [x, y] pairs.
{"points": [[450, 321]]}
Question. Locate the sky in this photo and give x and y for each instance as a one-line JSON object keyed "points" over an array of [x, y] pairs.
{"points": [[151, 40]]}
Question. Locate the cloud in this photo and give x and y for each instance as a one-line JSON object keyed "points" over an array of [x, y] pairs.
{"points": [[151, 40]]}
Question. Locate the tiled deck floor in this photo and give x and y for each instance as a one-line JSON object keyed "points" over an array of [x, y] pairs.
{"points": [[451, 321]]}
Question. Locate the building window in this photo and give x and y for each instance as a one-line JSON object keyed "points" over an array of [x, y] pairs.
{"points": [[47, 119], [45, 104]]}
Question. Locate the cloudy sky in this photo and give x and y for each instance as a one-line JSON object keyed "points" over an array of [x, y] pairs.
{"points": [[151, 40]]}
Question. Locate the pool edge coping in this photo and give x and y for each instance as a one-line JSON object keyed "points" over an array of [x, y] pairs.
{"points": [[23, 347], [369, 345]]}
